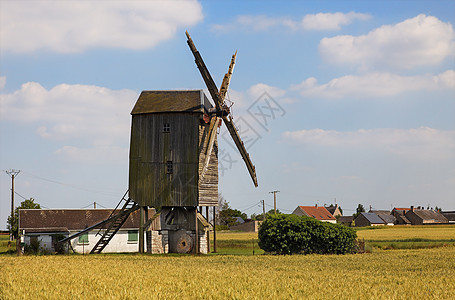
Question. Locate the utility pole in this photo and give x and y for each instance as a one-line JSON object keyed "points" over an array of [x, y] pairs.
{"points": [[12, 173], [263, 209], [274, 199]]}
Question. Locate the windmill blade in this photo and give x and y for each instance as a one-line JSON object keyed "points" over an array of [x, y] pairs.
{"points": [[210, 143], [238, 142], [211, 86], [227, 77]]}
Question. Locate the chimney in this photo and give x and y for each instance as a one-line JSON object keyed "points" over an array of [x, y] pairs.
{"points": [[412, 208], [316, 205]]}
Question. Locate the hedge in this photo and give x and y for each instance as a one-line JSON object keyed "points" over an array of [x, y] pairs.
{"points": [[292, 234]]}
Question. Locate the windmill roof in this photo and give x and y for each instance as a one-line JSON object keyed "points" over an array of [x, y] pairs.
{"points": [[171, 101], [372, 218], [317, 212], [60, 220]]}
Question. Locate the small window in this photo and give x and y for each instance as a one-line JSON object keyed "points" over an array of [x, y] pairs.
{"points": [[166, 127], [83, 239], [169, 167], [133, 236]]}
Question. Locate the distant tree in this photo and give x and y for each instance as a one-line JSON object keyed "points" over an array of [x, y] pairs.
{"points": [[226, 214], [260, 217], [360, 209], [12, 223]]}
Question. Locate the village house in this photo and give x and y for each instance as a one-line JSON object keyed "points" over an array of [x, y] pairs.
{"points": [[368, 219], [334, 210], [47, 225], [425, 216], [318, 212], [400, 216]]}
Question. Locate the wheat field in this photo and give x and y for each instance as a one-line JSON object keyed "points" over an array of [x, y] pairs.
{"points": [[397, 274]]}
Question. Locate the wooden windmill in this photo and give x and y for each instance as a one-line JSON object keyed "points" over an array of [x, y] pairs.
{"points": [[173, 155], [174, 163]]}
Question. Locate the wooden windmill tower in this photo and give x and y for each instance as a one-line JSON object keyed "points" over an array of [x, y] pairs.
{"points": [[173, 155]]}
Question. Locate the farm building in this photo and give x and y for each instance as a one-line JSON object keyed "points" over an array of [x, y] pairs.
{"points": [[49, 225], [345, 220], [425, 216], [450, 215], [368, 219], [318, 212]]}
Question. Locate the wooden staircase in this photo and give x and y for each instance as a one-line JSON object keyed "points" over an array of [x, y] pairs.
{"points": [[117, 221]]}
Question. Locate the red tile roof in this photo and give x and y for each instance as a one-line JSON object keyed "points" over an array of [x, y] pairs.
{"points": [[401, 208], [317, 212]]}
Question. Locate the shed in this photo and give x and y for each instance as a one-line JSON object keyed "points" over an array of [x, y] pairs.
{"points": [[450, 216]]}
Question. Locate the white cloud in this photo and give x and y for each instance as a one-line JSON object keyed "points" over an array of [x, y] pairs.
{"points": [[74, 26], [331, 21], [420, 41], [320, 21], [372, 85], [94, 115], [258, 89], [418, 143]]}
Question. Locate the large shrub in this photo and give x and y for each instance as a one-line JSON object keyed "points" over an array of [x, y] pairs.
{"points": [[290, 234]]}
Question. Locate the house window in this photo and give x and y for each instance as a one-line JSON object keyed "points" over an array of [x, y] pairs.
{"points": [[83, 239], [169, 167], [133, 236], [166, 127]]}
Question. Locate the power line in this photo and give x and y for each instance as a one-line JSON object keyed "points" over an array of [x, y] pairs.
{"points": [[74, 186]]}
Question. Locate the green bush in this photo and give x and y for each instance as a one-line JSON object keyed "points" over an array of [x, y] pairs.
{"points": [[291, 234]]}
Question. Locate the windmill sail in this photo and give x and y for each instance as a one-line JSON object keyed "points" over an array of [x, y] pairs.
{"points": [[211, 86], [218, 99], [238, 142]]}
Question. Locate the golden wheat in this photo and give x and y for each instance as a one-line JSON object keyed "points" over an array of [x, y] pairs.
{"points": [[407, 274]]}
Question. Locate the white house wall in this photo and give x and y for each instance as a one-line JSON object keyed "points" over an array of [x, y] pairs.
{"points": [[119, 243]]}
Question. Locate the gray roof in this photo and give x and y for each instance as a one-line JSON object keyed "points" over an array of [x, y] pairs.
{"points": [[171, 101], [61, 220], [239, 220], [387, 218], [372, 218], [426, 214]]}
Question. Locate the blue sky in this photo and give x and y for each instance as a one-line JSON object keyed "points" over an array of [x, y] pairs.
{"points": [[346, 101]]}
